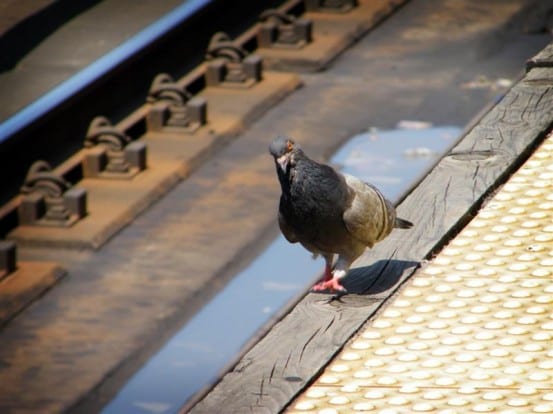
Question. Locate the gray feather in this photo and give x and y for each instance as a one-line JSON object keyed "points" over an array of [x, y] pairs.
{"points": [[370, 217], [328, 212]]}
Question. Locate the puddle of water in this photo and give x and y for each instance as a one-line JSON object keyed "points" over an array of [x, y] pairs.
{"points": [[393, 159], [208, 342], [195, 356]]}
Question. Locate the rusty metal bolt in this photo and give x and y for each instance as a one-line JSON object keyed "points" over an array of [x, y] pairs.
{"points": [[48, 199], [173, 107], [277, 29], [105, 152], [229, 65]]}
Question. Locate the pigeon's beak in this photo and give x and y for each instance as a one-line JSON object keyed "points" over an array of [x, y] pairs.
{"points": [[282, 162]]}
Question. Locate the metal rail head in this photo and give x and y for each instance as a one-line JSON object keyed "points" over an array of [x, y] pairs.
{"points": [[229, 65], [47, 199], [173, 107], [278, 29], [110, 153], [331, 6]]}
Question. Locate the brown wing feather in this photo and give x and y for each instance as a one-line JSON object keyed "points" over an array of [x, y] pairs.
{"points": [[370, 217]]}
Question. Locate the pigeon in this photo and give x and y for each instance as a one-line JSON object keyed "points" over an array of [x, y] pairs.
{"points": [[329, 213]]}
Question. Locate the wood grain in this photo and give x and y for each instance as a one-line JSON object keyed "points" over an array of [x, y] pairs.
{"points": [[291, 355], [542, 59]]}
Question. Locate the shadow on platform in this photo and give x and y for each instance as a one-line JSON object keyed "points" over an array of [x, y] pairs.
{"points": [[379, 277]]}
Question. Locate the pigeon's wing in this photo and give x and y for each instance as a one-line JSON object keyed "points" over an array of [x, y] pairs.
{"points": [[369, 217]]}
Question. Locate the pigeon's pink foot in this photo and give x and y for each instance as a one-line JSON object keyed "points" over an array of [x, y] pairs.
{"points": [[327, 274], [332, 285]]}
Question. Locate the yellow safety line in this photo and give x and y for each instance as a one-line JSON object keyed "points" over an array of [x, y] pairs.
{"points": [[472, 332]]}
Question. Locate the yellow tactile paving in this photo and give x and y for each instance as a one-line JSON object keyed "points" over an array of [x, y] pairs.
{"points": [[472, 332]]}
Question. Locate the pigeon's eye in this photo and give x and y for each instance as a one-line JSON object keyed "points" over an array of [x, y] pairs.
{"points": [[289, 146]]}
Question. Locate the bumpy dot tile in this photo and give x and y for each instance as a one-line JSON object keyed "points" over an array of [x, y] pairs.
{"points": [[478, 329], [471, 332], [411, 399], [512, 234]]}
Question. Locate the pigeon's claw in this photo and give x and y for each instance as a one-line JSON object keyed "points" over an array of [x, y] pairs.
{"points": [[332, 285]]}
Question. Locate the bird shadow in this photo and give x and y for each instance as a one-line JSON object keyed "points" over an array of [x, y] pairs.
{"points": [[377, 278]]}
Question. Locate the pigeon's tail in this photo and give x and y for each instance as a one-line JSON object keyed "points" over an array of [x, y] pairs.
{"points": [[402, 224]]}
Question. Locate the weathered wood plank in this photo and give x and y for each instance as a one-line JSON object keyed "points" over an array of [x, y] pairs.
{"points": [[279, 366], [542, 59]]}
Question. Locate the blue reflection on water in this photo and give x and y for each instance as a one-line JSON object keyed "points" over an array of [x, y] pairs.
{"points": [[393, 159], [194, 357]]}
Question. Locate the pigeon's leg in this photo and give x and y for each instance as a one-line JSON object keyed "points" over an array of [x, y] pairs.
{"points": [[329, 258], [333, 284]]}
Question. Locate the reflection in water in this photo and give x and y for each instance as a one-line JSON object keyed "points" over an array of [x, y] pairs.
{"points": [[392, 160], [194, 357], [206, 344]]}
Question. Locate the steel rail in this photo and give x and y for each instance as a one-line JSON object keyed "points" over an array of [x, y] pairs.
{"points": [[92, 73]]}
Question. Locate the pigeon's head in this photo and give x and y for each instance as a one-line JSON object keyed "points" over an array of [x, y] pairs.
{"points": [[282, 149]]}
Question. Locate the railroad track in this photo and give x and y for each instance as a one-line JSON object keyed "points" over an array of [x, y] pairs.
{"points": [[114, 87], [95, 162], [158, 90]]}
